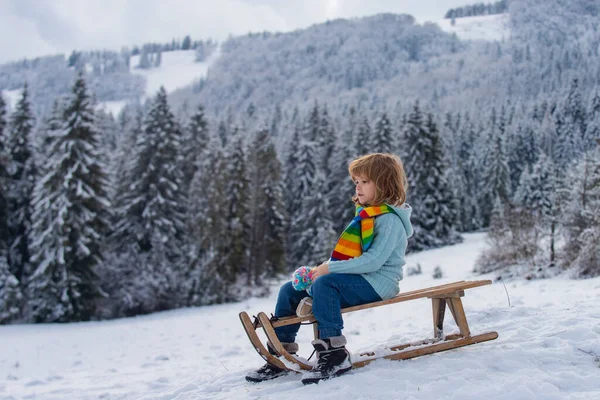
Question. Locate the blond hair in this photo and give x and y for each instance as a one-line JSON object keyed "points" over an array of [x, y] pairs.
{"points": [[387, 171]]}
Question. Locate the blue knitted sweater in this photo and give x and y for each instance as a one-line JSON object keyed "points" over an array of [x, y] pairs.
{"points": [[381, 265]]}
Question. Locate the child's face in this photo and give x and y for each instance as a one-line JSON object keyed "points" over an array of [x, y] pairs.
{"points": [[365, 190]]}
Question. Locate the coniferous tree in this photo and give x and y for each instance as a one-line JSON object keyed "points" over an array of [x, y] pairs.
{"points": [[326, 140], [10, 290], [342, 190], [522, 152], [537, 193], [152, 215], [145, 62], [267, 248], [435, 213], [383, 136], [302, 183], [4, 180], [581, 217], [362, 141], [592, 133], [123, 162], [195, 140], [70, 217], [11, 298], [316, 240], [496, 176], [312, 126], [23, 174], [207, 278], [237, 213]]}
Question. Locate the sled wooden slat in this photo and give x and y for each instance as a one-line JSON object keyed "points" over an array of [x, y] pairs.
{"points": [[436, 291], [272, 336], [434, 348], [256, 342]]}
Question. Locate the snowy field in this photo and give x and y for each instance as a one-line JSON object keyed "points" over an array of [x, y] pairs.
{"points": [[547, 349]]}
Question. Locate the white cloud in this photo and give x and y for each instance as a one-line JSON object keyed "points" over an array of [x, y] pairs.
{"points": [[36, 27]]}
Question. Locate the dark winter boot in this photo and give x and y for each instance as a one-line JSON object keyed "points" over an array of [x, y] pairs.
{"points": [[269, 371], [334, 360]]}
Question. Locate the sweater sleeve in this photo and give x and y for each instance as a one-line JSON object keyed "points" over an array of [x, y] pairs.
{"points": [[386, 236]]}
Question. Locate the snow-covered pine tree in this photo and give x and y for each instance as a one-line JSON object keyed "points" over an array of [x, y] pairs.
{"points": [[435, 207], [11, 298], [144, 62], [122, 163], [581, 217], [340, 196], [4, 178], [537, 194], [267, 250], [23, 175], [470, 163], [566, 141], [523, 149], [312, 125], [70, 219], [592, 133], [195, 140], [237, 213], [10, 290], [362, 140], [575, 114], [382, 140], [496, 176], [51, 125], [326, 139], [317, 238], [302, 182], [152, 214], [108, 131], [207, 280]]}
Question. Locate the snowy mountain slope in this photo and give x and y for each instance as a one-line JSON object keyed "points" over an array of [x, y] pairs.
{"points": [[485, 27], [11, 97], [178, 69], [547, 349]]}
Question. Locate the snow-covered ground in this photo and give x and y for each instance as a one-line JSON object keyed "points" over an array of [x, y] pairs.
{"points": [[485, 27], [547, 349]]}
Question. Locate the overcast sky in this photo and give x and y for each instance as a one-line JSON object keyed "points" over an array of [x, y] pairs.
{"points": [[31, 28]]}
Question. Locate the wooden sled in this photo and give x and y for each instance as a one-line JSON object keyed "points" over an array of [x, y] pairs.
{"points": [[441, 296]]}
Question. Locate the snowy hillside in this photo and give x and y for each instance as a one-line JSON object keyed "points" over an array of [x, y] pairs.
{"points": [[178, 69], [11, 97], [548, 347], [485, 27]]}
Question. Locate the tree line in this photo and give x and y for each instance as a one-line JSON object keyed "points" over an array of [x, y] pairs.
{"points": [[105, 217]]}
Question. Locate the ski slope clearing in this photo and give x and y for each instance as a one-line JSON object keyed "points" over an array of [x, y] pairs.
{"points": [[177, 69], [484, 27], [548, 348]]}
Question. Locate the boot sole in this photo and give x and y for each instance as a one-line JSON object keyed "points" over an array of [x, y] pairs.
{"points": [[259, 380], [308, 381]]}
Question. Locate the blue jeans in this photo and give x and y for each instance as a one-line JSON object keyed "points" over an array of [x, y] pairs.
{"points": [[330, 294]]}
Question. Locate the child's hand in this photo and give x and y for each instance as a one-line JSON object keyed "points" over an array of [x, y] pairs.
{"points": [[319, 271]]}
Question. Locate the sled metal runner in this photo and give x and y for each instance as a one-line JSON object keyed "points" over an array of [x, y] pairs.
{"points": [[441, 296]]}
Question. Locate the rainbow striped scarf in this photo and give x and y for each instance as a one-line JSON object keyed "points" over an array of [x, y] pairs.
{"points": [[358, 236]]}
